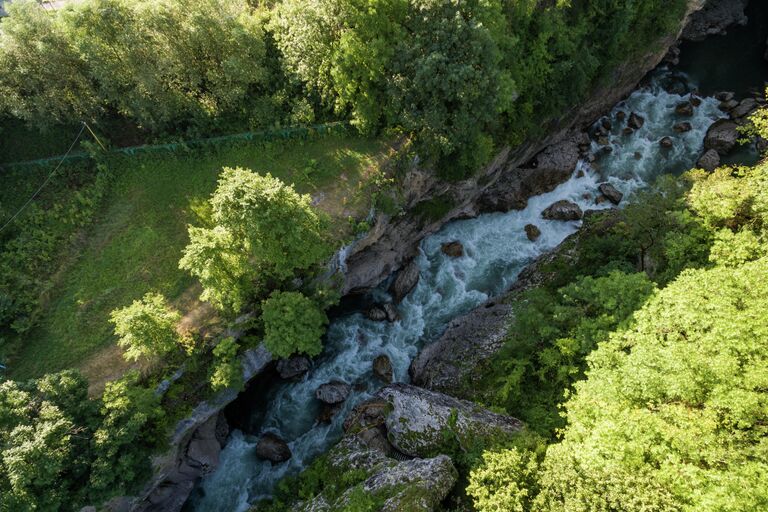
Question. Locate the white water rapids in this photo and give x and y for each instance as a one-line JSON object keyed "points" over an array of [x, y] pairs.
{"points": [[495, 250]]}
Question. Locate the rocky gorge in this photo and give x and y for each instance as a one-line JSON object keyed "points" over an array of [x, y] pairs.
{"points": [[394, 434]]}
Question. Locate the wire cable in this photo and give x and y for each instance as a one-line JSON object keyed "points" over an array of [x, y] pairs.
{"points": [[41, 187]]}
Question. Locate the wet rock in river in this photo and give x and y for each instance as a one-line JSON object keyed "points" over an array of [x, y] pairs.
{"points": [[666, 142], [684, 109], [453, 249], [682, 127], [722, 136], [406, 280], [725, 96], [610, 192], [391, 311], [382, 368], [744, 109], [376, 313], [563, 210], [333, 392], [727, 106], [532, 232], [709, 161], [635, 121], [327, 412], [627, 131], [621, 116], [272, 448], [294, 366]]}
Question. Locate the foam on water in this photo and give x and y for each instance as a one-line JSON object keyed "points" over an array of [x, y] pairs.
{"points": [[495, 250]]}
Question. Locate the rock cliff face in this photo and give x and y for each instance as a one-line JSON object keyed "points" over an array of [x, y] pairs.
{"points": [[509, 180], [714, 18]]}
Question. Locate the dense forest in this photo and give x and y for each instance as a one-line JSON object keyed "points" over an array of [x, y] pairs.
{"points": [[640, 370]]}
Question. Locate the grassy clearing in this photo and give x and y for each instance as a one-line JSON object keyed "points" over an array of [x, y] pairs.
{"points": [[136, 240]]}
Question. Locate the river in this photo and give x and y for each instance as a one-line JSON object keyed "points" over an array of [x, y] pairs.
{"points": [[495, 250]]}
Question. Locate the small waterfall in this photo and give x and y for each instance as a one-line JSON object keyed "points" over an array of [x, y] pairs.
{"points": [[495, 250]]}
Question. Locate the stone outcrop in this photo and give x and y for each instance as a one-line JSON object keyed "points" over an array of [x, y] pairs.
{"points": [[415, 485], [546, 171], [563, 210], [421, 422], [714, 18], [722, 136], [467, 341]]}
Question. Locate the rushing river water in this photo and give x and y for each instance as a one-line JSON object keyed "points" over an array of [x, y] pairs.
{"points": [[496, 249]]}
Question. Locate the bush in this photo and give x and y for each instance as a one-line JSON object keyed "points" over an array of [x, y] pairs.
{"points": [[503, 480], [227, 370], [292, 323], [147, 327]]}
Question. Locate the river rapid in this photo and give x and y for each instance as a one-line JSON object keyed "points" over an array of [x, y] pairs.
{"points": [[496, 249]]}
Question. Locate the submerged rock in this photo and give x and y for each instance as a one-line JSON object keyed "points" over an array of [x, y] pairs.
{"points": [[376, 313], [532, 232], [294, 366], [406, 280], [272, 448], [333, 392], [563, 210], [709, 161], [610, 192], [382, 368], [635, 121], [684, 109], [422, 422], [666, 142], [453, 249], [722, 136], [682, 127]]}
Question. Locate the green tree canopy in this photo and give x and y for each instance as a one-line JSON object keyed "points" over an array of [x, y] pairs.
{"points": [[292, 323], [264, 231]]}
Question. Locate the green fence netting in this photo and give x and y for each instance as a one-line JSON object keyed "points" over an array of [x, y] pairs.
{"points": [[289, 133]]}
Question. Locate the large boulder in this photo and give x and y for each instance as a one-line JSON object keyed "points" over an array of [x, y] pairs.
{"points": [[709, 161], [415, 485], [450, 362], [272, 448], [563, 210], [722, 136], [546, 171], [333, 392], [744, 108], [714, 18], [406, 280], [422, 423], [610, 192], [684, 108], [294, 366]]}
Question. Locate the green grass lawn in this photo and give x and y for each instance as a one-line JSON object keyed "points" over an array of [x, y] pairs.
{"points": [[135, 242]]}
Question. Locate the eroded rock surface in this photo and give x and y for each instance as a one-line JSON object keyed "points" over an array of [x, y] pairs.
{"points": [[722, 136], [421, 422], [333, 392], [563, 210], [406, 280], [715, 18], [294, 366]]}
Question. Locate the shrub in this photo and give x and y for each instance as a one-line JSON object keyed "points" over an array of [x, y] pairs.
{"points": [[147, 327], [227, 371]]}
